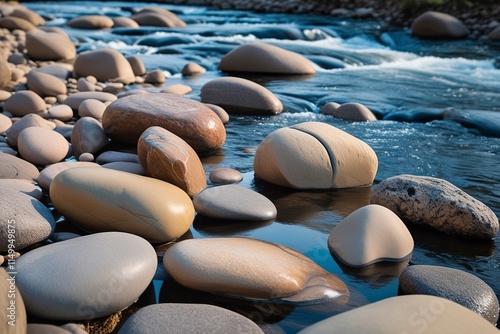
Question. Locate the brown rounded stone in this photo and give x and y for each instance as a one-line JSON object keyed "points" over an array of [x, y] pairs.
{"points": [[88, 136], [23, 103], [330, 108], [5, 123], [42, 45], [155, 77], [438, 25], [157, 16], [177, 89], [224, 175], [42, 146], [124, 22], [74, 100], [60, 112], [137, 65], [28, 15], [353, 111], [167, 157], [14, 23], [26, 122], [45, 84], [192, 69], [105, 65], [12, 167], [223, 115], [91, 108], [25, 186], [91, 22], [48, 174], [127, 118], [5, 74]]}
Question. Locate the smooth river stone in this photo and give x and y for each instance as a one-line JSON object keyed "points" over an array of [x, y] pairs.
{"points": [[25, 186], [49, 173], [155, 77], [437, 203], [33, 221], [12, 167], [353, 111], [127, 118], [405, 314], [453, 284], [30, 120], [74, 100], [88, 136], [224, 117], [234, 202], [192, 69], [115, 156], [235, 267], [61, 112], [42, 146], [45, 84], [97, 275], [124, 22], [129, 167], [28, 15], [101, 199], [137, 65], [158, 17], [5, 123], [240, 95], [265, 58], [315, 155], [371, 234], [14, 319], [16, 23], [49, 45], [105, 65], [223, 175], [91, 108], [176, 318], [5, 73], [438, 25], [167, 157], [90, 22], [23, 103]]}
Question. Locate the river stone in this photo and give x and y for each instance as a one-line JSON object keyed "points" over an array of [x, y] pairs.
{"points": [[192, 69], [124, 22], [453, 284], [90, 22], [224, 117], [42, 146], [330, 108], [405, 314], [101, 199], [240, 96], [98, 275], [314, 155], [60, 112], [16, 315], [83, 85], [16, 23], [105, 65], [155, 77], [234, 202], [127, 118], [352, 111], [177, 89], [61, 71], [24, 186], [74, 100], [115, 156], [495, 34], [223, 175], [5, 73], [30, 120], [88, 136], [33, 221], [129, 167], [164, 12], [236, 267], [91, 108], [45, 84], [23, 103], [28, 15], [370, 234], [137, 65], [5, 123], [176, 318], [438, 25], [158, 17], [436, 203], [49, 45], [12, 167], [265, 58], [167, 157], [49, 173]]}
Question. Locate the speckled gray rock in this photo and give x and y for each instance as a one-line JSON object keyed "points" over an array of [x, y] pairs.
{"points": [[223, 175], [436, 203], [33, 221], [187, 318], [453, 284], [97, 275], [12, 167], [234, 202]]}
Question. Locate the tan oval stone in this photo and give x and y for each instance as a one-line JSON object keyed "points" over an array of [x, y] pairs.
{"points": [[42, 146], [241, 96], [49, 45], [127, 118], [86, 157], [105, 65], [20, 310], [234, 266], [314, 155], [155, 77], [330, 108], [88, 136], [265, 58], [12, 167], [5, 123], [60, 112], [433, 24], [28, 15], [167, 157], [224, 117], [14, 23], [353, 111], [371, 234], [74, 100], [401, 314], [192, 69], [83, 85], [91, 22], [137, 65], [223, 175], [159, 17], [5, 75], [30, 120], [164, 12], [177, 89], [23, 103], [91, 108], [50, 172], [4, 95], [436, 203], [101, 199], [22, 185], [124, 22]]}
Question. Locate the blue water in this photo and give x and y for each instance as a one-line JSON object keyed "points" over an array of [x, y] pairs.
{"points": [[408, 83]]}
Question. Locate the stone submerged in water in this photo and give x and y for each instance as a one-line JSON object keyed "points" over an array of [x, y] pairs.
{"points": [[315, 155], [405, 314], [101, 199], [352, 111], [436, 203], [183, 318], [265, 58], [438, 25], [97, 275], [250, 268], [127, 118], [238, 95], [31, 219], [371, 234], [167, 157], [453, 284]]}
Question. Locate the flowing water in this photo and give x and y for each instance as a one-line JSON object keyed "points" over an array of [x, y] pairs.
{"points": [[408, 83]]}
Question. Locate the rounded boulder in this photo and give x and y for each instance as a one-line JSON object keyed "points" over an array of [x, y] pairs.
{"points": [[88, 136], [91, 22], [438, 25], [351, 111], [42, 146], [49, 173], [23, 103], [315, 155], [105, 65], [12, 167], [49, 45], [45, 84], [27, 121], [101, 199]]}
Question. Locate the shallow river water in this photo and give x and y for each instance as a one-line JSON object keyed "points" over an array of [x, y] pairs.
{"points": [[407, 82]]}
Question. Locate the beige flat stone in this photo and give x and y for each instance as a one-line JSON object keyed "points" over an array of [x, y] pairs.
{"points": [[155, 77], [124, 166], [124, 22], [177, 89], [28, 15], [5, 123], [329, 108], [192, 69], [92, 108], [223, 175], [74, 100], [60, 112]]}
